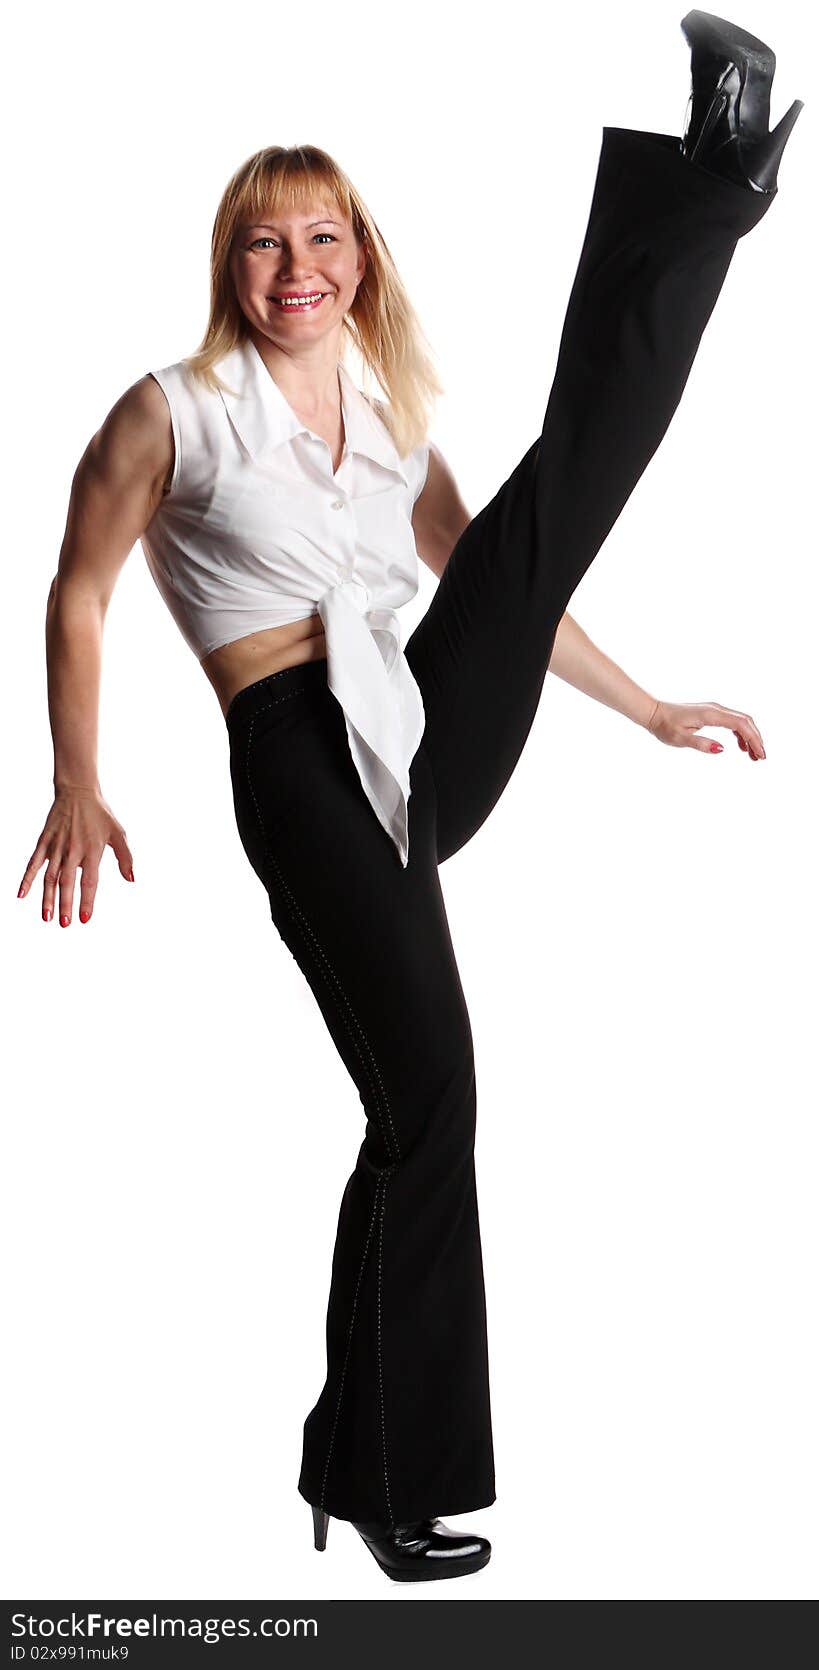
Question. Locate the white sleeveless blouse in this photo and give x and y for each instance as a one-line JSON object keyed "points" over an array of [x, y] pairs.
{"points": [[256, 531]]}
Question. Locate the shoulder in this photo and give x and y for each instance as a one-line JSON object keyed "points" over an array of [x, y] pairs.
{"points": [[130, 454], [142, 403], [138, 424]]}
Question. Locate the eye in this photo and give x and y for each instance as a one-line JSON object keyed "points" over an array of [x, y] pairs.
{"points": [[327, 235]]}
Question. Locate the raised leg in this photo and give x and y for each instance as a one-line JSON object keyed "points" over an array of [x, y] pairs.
{"points": [[660, 237]]}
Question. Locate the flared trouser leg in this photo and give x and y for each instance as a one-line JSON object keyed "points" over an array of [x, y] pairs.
{"points": [[659, 241], [402, 1426]]}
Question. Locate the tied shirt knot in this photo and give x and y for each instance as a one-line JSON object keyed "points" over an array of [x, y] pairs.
{"points": [[371, 679]]}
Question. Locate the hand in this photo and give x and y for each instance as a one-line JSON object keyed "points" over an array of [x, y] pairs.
{"points": [[676, 723], [76, 832]]}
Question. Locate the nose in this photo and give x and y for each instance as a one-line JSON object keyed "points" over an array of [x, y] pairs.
{"points": [[295, 266]]}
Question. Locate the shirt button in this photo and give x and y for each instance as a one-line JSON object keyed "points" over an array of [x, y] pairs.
{"points": [[338, 504]]}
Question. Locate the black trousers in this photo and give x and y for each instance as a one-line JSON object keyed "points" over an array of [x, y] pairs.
{"points": [[401, 1428]]}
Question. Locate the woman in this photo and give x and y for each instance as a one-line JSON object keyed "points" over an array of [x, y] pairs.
{"points": [[281, 513]]}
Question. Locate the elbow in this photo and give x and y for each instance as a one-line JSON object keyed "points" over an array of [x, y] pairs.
{"points": [[70, 608]]}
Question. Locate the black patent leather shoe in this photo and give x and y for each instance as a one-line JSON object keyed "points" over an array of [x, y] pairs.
{"points": [[417, 1552], [726, 122]]}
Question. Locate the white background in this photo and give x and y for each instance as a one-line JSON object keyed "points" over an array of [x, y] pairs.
{"points": [[635, 925]]}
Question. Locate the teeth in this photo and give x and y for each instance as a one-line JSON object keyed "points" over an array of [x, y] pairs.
{"points": [[293, 301]]}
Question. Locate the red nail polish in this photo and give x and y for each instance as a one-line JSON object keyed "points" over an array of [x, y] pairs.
{"points": [[716, 747], [47, 914], [85, 915], [63, 921], [21, 891], [130, 875]]}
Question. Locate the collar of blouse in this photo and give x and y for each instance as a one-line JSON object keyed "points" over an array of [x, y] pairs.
{"points": [[264, 419]]}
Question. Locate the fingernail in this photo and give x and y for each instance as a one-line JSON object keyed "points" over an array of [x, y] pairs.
{"points": [[130, 875], [716, 747], [47, 914], [63, 921], [22, 890], [84, 915]]}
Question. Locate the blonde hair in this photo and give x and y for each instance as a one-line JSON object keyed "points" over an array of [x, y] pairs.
{"points": [[381, 323]]}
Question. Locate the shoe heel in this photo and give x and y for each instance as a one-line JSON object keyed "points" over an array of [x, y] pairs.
{"points": [[767, 153], [321, 1521], [728, 113]]}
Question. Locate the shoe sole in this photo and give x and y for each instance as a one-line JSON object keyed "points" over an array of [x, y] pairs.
{"points": [[441, 1569], [719, 34]]}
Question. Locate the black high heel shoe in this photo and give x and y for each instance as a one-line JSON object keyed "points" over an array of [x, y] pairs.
{"points": [[726, 124], [413, 1553]]}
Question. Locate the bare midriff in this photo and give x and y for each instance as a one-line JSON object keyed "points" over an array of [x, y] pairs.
{"points": [[248, 659]]}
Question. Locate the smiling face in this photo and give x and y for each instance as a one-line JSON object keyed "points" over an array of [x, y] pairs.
{"points": [[309, 253]]}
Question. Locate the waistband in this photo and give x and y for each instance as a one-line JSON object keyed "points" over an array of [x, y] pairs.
{"points": [[306, 676]]}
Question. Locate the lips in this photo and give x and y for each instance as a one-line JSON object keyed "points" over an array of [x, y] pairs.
{"points": [[292, 296]]}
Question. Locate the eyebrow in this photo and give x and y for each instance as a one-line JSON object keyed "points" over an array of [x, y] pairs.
{"points": [[256, 224]]}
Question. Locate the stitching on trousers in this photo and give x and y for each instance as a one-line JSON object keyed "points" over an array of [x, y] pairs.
{"points": [[349, 1342], [372, 1067], [380, 1369], [274, 703]]}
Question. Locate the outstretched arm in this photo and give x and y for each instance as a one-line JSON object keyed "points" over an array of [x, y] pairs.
{"points": [[116, 487], [580, 663]]}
